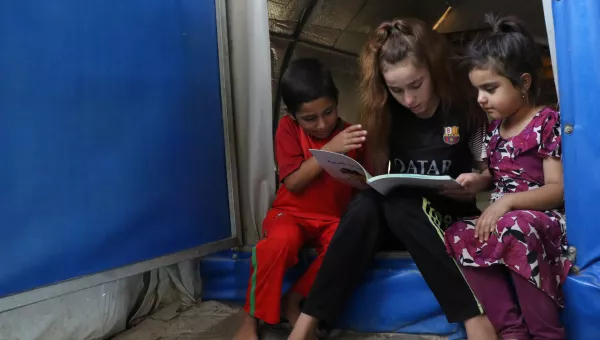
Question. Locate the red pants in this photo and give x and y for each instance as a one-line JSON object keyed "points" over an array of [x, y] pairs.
{"points": [[277, 252], [537, 318]]}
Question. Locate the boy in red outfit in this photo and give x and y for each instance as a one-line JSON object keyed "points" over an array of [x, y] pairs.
{"points": [[309, 203]]}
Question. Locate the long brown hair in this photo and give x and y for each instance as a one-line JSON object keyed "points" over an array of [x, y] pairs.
{"points": [[394, 42]]}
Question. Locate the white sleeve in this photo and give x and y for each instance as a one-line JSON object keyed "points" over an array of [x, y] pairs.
{"points": [[477, 145]]}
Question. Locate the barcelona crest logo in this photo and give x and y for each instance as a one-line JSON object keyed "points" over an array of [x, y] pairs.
{"points": [[451, 135]]}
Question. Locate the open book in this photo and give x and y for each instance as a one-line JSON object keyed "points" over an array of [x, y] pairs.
{"points": [[349, 171]]}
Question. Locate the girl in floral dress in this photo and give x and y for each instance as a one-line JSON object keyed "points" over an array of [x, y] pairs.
{"points": [[521, 236]]}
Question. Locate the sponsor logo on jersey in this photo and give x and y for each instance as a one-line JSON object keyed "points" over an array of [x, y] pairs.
{"points": [[422, 167], [451, 135]]}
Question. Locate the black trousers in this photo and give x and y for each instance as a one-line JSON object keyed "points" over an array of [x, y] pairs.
{"points": [[364, 227]]}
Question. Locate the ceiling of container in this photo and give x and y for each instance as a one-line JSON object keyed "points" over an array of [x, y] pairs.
{"points": [[335, 31], [344, 24]]}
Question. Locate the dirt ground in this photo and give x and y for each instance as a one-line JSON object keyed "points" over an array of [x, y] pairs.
{"points": [[218, 321]]}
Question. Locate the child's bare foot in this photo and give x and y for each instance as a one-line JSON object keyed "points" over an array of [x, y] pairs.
{"points": [[305, 328], [291, 307], [248, 330]]}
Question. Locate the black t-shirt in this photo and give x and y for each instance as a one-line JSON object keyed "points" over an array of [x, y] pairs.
{"points": [[440, 145]]}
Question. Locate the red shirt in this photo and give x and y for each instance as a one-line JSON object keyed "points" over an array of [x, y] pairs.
{"points": [[325, 198]]}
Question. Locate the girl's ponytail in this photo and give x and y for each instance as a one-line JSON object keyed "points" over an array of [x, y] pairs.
{"points": [[507, 25]]}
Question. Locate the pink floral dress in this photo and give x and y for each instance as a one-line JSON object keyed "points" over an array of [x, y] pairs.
{"points": [[531, 243]]}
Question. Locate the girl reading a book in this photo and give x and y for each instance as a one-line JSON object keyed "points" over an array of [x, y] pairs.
{"points": [[422, 118], [521, 236]]}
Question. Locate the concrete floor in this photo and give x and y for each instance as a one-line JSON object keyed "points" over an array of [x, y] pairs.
{"points": [[217, 321]]}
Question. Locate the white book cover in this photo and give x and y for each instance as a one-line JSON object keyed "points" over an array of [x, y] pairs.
{"points": [[349, 171]]}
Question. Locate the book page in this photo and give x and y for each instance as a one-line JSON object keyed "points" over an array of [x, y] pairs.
{"points": [[342, 168], [386, 183]]}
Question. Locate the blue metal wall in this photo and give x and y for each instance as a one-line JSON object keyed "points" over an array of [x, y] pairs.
{"points": [[111, 135], [577, 29]]}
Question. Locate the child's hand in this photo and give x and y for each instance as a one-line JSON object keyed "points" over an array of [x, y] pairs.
{"points": [[486, 224], [351, 138], [472, 183]]}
